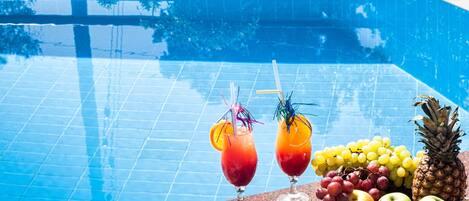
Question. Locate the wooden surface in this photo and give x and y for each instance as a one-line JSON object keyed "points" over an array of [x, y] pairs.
{"points": [[311, 188]]}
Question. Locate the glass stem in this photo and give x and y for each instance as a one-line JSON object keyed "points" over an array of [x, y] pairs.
{"points": [[293, 180], [239, 191]]}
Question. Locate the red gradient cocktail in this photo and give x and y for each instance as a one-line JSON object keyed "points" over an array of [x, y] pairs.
{"points": [[239, 158]]}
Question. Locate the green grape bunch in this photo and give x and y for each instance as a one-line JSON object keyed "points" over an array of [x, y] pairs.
{"points": [[398, 160]]}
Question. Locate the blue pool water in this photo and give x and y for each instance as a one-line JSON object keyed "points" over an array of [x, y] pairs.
{"points": [[92, 111]]}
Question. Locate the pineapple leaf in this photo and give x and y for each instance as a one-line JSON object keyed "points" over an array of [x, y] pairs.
{"points": [[439, 130]]}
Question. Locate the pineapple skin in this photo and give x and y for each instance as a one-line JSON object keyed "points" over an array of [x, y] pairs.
{"points": [[445, 180]]}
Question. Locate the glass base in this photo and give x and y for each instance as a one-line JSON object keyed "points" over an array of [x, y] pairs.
{"points": [[299, 196]]}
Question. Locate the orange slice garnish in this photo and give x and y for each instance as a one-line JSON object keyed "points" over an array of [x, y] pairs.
{"points": [[300, 130], [218, 132]]}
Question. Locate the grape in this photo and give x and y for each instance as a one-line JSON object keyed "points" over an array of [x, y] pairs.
{"points": [[314, 163], [354, 158], [329, 198], [342, 197], [373, 177], [352, 177], [325, 182], [327, 152], [320, 193], [320, 159], [337, 179], [366, 185], [361, 158], [318, 172], [383, 159], [347, 187], [352, 146], [322, 167], [399, 149], [388, 151], [375, 193], [382, 150], [366, 149], [346, 154], [401, 172], [373, 167], [331, 174], [372, 156], [384, 171], [382, 183], [407, 162], [339, 160], [374, 145], [395, 160], [358, 185], [386, 142], [362, 143], [334, 188], [404, 154], [330, 161]]}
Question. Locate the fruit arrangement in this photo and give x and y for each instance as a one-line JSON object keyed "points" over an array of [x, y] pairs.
{"points": [[374, 167], [378, 151]]}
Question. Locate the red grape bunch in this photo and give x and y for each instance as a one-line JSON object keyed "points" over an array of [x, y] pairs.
{"points": [[334, 188], [337, 186]]}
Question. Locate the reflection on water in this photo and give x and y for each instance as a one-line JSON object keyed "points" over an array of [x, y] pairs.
{"points": [[17, 7], [88, 102], [107, 3], [17, 39], [364, 9], [370, 38], [427, 40], [190, 39]]}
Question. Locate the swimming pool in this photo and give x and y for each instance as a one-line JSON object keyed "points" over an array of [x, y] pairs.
{"points": [[100, 112]]}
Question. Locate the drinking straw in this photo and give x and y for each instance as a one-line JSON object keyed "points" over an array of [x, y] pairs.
{"points": [[234, 105], [278, 91]]}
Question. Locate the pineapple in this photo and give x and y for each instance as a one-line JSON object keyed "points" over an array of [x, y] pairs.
{"points": [[440, 172]]}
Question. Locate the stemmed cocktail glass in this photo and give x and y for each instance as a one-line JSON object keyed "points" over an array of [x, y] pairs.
{"points": [[236, 144], [293, 144]]}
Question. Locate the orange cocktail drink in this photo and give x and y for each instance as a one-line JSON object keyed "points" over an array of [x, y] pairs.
{"points": [[293, 147], [293, 151]]}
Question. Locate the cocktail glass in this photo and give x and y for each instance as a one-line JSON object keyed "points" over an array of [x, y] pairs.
{"points": [[293, 153], [239, 159]]}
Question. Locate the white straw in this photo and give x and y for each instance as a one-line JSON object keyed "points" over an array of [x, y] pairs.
{"points": [[268, 91], [277, 81], [234, 96]]}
